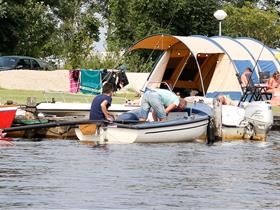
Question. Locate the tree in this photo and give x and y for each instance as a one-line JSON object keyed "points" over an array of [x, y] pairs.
{"points": [[130, 21], [238, 3], [3, 6], [37, 26], [76, 32], [64, 28], [133, 20], [27, 26], [252, 22], [261, 4]]}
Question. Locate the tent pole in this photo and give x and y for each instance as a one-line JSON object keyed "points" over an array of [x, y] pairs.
{"points": [[200, 75], [182, 69]]}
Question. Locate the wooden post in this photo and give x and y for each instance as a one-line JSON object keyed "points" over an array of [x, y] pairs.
{"points": [[217, 108], [31, 102], [30, 110]]}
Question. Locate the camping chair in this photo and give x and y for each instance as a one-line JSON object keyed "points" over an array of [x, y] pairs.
{"points": [[246, 90], [256, 92], [264, 77]]}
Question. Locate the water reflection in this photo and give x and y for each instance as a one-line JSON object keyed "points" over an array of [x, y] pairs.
{"points": [[69, 175]]}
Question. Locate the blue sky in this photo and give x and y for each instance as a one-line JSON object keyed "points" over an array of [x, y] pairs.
{"points": [[101, 45]]}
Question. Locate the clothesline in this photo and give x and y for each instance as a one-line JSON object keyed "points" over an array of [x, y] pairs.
{"points": [[90, 81], [111, 70]]}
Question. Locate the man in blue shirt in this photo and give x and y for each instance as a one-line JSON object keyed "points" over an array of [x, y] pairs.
{"points": [[162, 101], [101, 103]]}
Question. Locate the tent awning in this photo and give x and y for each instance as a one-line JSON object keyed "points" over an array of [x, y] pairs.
{"points": [[156, 42], [196, 44], [277, 55]]}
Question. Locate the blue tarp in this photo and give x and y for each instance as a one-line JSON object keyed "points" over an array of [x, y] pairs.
{"points": [[232, 94], [266, 65], [241, 65]]}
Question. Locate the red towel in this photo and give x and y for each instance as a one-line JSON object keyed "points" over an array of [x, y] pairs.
{"points": [[74, 78]]}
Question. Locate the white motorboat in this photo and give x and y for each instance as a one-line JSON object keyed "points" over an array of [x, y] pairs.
{"points": [[180, 127], [251, 122], [78, 109]]}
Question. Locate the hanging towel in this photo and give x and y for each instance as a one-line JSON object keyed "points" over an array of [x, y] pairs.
{"points": [[91, 82], [74, 78], [122, 79]]}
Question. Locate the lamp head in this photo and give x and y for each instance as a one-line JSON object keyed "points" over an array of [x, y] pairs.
{"points": [[220, 15]]}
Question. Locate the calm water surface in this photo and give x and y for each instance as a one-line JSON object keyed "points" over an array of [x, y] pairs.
{"points": [[68, 175]]}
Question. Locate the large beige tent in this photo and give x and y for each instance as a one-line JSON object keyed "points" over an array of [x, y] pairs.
{"points": [[264, 56], [276, 53], [210, 65]]}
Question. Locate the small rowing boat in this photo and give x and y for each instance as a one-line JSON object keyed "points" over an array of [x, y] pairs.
{"points": [[184, 126]]}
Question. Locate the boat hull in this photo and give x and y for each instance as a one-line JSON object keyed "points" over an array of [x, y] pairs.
{"points": [[7, 115], [253, 122], [182, 133], [189, 131], [77, 109], [258, 132]]}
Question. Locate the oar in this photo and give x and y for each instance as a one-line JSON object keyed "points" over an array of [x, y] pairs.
{"points": [[64, 123]]}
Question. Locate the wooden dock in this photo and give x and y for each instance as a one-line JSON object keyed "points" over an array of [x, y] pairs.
{"points": [[276, 121]]}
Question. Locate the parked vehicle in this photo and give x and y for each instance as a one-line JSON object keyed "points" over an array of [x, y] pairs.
{"points": [[23, 62]]}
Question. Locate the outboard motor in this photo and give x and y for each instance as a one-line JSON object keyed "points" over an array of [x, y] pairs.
{"points": [[259, 115]]}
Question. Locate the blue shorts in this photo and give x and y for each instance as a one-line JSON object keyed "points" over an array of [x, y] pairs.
{"points": [[151, 99]]}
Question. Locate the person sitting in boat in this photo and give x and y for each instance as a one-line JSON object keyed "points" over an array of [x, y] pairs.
{"points": [[225, 100], [246, 76], [101, 103], [162, 102]]}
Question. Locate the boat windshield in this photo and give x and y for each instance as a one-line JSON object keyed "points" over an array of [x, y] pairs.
{"points": [[7, 62]]}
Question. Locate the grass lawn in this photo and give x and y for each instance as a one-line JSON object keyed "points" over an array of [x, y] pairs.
{"points": [[20, 96], [276, 109]]}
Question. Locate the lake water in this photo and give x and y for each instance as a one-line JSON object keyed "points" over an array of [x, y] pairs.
{"points": [[63, 174]]}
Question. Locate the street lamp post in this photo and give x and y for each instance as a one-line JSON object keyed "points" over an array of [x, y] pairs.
{"points": [[220, 15]]}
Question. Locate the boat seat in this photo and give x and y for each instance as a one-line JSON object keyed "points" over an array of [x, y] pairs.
{"points": [[88, 129]]}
